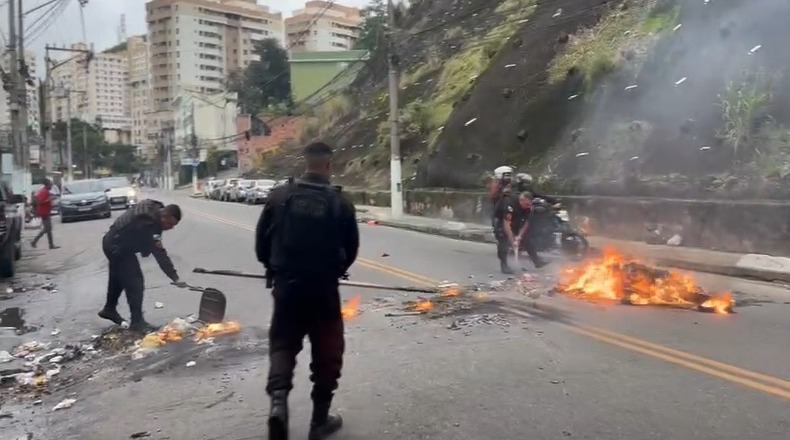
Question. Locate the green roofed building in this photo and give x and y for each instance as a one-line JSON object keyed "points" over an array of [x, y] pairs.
{"points": [[314, 74]]}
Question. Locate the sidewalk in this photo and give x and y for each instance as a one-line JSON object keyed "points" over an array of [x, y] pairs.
{"points": [[753, 266]]}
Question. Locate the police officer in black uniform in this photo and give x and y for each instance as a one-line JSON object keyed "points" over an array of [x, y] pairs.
{"points": [[503, 220], [138, 230], [307, 238], [521, 219]]}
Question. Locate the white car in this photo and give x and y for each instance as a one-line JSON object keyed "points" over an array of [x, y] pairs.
{"points": [[120, 191], [238, 193], [209, 186], [224, 190], [259, 192]]}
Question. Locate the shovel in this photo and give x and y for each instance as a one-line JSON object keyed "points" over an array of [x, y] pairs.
{"points": [[212, 304], [234, 273]]}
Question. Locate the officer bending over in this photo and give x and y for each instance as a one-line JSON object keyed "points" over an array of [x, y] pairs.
{"points": [[523, 229], [138, 230], [307, 238]]}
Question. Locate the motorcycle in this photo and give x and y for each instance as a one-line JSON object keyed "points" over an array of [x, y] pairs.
{"points": [[553, 230]]}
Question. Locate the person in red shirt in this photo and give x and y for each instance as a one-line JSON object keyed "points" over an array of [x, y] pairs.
{"points": [[43, 208]]}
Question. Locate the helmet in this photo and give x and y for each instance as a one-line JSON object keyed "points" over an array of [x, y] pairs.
{"points": [[503, 172], [523, 179]]}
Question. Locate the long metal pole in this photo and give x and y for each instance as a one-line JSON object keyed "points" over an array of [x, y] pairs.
{"points": [[396, 194], [46, 117], [14, 92], [69, 163], [85, 150], [23, 116]]}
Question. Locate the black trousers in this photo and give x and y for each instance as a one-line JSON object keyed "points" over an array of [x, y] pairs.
{"points": [[125, 275], [529, 247], [309, 309], [502, 245]]}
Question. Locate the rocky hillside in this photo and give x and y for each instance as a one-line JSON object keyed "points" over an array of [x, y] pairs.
{"points": [[670, 97]]}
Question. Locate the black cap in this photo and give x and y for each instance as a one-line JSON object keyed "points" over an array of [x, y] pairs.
{"points": [[175, 211]]}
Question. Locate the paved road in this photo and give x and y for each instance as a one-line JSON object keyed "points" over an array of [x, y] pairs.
{"points": [[562, 369]]}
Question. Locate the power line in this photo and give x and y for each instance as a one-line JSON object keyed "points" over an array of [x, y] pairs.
{"points": [[40, 25]]}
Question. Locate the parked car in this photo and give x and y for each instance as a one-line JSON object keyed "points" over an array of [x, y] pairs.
{"points": [[259, 192], [121, 192], [84, 199], [210, 186], [224, 190], [239, 192], [54, 193], [11, 221]]}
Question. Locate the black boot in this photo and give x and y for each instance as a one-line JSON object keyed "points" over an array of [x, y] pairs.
{"points": [[278, 416], [323, 425], [111, 315], [505, 268], [142, 326]]}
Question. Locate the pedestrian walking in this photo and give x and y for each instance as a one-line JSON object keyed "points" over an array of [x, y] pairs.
{"points": [[43, 209], [138, 230], [307, 238]]}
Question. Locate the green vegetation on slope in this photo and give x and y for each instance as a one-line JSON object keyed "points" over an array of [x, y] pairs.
{"points": [[619, 35]]}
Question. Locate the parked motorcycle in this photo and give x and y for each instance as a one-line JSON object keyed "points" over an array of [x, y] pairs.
{"points": [[553, 230]]}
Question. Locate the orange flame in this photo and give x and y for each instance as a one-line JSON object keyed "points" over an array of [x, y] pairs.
{"points": [[450, 291], [613, 277], [422, 305], [351, 307], [217, 329]]}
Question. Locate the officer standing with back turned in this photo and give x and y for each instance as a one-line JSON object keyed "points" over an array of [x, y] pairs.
{"points": [[307, 238]]}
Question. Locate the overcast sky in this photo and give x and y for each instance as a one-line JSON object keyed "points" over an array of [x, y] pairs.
{"points": [[102, 21]]}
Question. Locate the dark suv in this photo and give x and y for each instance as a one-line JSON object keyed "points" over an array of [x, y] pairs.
{"points": [[11, 220]]}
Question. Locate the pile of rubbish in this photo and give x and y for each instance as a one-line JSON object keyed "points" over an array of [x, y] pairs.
{"points": [[37, 365]]}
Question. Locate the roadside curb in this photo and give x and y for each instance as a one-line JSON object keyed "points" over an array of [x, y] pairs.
{"points": [[697, 266]]}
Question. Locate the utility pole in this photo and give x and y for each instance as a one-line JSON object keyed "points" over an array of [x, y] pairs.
{"points": [[396, 187], [24, 147], [13, 92], [46, 110]]}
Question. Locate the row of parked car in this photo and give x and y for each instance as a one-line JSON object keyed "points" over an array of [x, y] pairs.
{"points": [[253, 192]]}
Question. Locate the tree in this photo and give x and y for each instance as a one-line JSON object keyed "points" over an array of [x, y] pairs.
{"points": [[375, 20], [118, 158], [266, 82]]}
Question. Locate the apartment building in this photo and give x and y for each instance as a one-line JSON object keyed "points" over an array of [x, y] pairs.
{"points": [[195, 44], [323, 26], [138, 94], [32, 94], [98, 91]]}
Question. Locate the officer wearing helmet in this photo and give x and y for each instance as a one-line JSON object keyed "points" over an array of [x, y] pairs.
{"points": [[524, 182]]}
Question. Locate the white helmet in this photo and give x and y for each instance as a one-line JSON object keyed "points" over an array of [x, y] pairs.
{"points": [[524, 178], [502, 171]]}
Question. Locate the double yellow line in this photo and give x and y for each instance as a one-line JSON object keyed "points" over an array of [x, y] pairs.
{"points": [[757, 381]]}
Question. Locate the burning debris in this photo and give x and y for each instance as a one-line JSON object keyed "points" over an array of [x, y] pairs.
{"points": [[351, 308], [614, 277], [180, 329]]}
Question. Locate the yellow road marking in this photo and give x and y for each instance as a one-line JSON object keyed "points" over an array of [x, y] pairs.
{"points": [[758, 381]]}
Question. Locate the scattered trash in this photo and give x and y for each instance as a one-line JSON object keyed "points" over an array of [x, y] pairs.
{"points": [[677, 26], [141, 434], [582, 154], [470, 122], [191, 364], [508, 66], [64, 404], [631, 87], [755, 49], [158, 305], [557, 14], [707, 1], [385, 254], [680, 81], [705, 148], [5, 357], [572, 97], [675, 240], [55, 332], [478, 320], [372, 222], [634, 158], [125, 325]]}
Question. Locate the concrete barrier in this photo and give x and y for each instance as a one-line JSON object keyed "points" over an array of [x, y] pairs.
{"points": [[732, 226]]}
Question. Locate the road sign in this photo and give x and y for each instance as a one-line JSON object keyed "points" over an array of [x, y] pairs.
{"points": [[190, 162]]}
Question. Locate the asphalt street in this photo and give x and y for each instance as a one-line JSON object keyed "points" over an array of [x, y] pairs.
{"points": [[561, 369]]}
